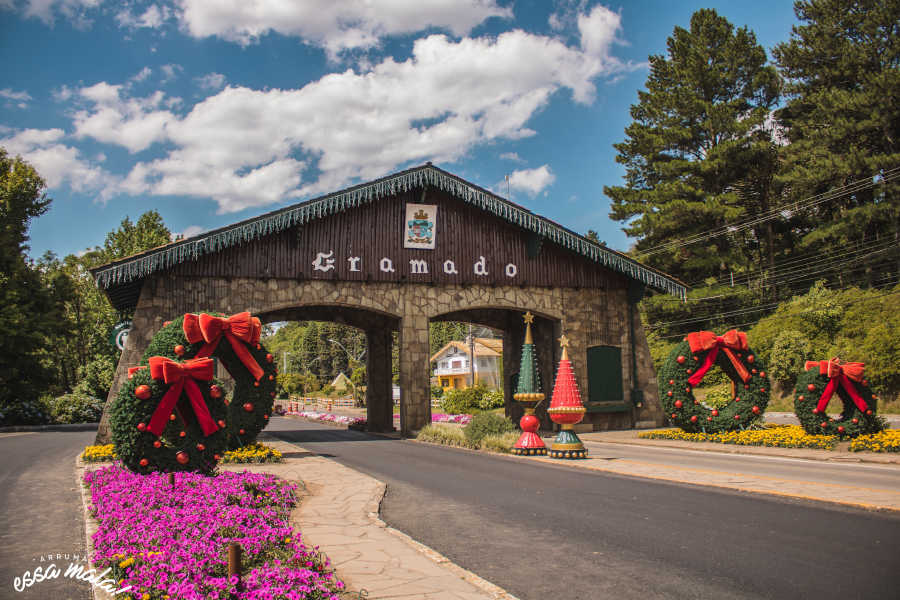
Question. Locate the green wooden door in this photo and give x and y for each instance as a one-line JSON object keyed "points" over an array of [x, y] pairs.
{"points": [[604, 364]]}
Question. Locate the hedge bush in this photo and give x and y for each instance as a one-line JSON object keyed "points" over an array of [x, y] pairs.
{"points": [[448, 435], [486, 424], [76, 407], [491, 399]]}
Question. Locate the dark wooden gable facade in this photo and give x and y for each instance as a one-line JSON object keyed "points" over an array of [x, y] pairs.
{"points": [[358, 235]]}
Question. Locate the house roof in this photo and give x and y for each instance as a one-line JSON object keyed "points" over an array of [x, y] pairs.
{"points": [[123, 277], [483, 347], [341, 378]]}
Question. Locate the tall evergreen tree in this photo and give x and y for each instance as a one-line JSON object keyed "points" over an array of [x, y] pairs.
{"points": [[842, 67], [696, 133]]}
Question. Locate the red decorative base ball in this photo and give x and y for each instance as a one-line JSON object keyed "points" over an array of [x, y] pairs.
{"points": [[529, 443]]}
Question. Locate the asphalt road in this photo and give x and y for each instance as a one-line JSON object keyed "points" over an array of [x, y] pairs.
{"points": [[40, 511], [543, 531]]}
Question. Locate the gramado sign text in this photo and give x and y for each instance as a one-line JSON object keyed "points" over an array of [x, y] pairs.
{"points": [[326, 262]]}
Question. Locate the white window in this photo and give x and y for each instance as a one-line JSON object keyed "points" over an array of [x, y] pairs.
{"points": [[482, 362]]}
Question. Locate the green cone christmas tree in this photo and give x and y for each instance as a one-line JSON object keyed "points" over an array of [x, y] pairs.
{"points": [[566, 409], [529, 395]]}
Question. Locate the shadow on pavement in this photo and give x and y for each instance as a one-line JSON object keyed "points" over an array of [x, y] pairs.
{"points": [[301, 436]]}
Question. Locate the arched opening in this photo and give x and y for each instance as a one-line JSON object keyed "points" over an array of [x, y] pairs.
{"points": [[372, 347], [508, 323]]}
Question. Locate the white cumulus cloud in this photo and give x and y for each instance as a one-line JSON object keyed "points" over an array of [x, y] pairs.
{"points": [[58, 163], [211, 81], [245, 147], [152, 18], [134, 123], [532, 181], [335, 26]]}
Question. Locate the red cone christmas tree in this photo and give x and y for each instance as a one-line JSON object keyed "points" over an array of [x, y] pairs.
{"points": [[566, 409], [529, 395]]}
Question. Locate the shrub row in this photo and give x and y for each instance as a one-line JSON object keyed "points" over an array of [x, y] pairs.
{"points": [[450, 435]]}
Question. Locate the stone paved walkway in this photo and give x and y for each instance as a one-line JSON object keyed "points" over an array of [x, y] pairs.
{"points": [[340, 515]]}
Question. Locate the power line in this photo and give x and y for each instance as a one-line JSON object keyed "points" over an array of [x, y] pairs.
{"points": [[886, 281], [833, 194], [834, 254], [789, 314]]}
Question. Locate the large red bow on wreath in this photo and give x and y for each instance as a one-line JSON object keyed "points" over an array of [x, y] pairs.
{"points": [[701, 341], [839, 374], [238, 329], [181, 377]]}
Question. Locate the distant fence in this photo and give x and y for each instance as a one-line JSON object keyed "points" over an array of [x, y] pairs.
{"points": [[298, 403]]}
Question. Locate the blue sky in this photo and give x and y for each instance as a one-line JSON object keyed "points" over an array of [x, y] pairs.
{"points": [[212, 112]]}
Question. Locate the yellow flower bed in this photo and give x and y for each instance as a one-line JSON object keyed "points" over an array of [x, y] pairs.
{"points": [[886, 441], [782, 436], [252, 453], [104, 453]]}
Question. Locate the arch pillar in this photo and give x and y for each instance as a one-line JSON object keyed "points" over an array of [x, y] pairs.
{"points": [[379, 400], [415, 379]]}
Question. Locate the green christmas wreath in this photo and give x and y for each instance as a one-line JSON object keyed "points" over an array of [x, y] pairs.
{"points": [[234, 341], [818, 383], [685, 368], [169, 416]]}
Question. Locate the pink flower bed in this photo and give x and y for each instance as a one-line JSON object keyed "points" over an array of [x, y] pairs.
{"points": [[329, 417], [167, 542], [345, 420]]}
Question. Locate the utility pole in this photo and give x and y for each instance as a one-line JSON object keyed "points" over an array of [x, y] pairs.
{"points": [[471, 355]]}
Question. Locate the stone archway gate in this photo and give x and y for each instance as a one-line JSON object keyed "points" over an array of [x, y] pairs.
{"points": [[392, 254]]}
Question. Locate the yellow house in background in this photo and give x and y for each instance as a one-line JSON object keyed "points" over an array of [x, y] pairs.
{"points": [[453, 369]]}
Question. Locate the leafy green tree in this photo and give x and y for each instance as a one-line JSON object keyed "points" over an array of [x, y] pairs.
{"points": [[132, 238], [442, 332], [842, 68], [30, 306], [81, 355], [697, 133], [790, 352], [854, 324]]}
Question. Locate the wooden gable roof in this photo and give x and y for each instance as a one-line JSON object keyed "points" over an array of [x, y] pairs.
{"points": [[122, 279]]}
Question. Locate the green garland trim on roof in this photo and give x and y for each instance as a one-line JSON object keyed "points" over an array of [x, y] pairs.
{"points": [[142, 265]]}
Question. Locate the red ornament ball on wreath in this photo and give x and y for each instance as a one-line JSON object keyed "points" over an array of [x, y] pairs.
{"points": [[174, 428], [830, 399], [729, 352], [234, 342]]}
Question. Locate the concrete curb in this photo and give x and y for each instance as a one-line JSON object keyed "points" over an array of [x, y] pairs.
{"points": [[56, 427], [837, 456], [90, 525]]}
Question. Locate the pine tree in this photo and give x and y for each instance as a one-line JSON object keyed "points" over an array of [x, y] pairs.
{"points": [[697, 132], [842, 67]]}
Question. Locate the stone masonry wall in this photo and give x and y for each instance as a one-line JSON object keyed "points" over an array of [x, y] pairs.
{"points": [[587, 316]]}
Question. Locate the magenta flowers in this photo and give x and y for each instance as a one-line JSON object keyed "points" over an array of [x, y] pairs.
{"points": [[171, 542]]}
